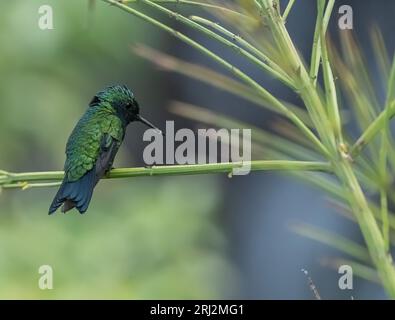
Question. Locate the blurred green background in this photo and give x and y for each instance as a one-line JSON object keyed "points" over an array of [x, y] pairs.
{"points": [[141, 238]]}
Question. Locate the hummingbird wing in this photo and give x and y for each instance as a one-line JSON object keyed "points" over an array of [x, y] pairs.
{"points": [[92, 140], [90, 151], [108, 149]]}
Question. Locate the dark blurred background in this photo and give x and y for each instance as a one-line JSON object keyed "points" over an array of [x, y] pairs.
{"points": [[174, 237]]}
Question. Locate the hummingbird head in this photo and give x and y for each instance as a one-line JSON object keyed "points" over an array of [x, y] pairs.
{"points": [[122, 100]]}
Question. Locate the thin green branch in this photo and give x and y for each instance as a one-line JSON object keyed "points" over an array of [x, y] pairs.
{"points": [[344, 210], [24, 180], [316, 50], [384, 217], [288, 9], [380, 51], [329, 82], [267, 64], [374, 128], [194, 3], [321, 23], [26, 185], [383, 157], [337, 241]]}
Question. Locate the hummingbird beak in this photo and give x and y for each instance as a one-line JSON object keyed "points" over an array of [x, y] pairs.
{"points": [[149, 124]]}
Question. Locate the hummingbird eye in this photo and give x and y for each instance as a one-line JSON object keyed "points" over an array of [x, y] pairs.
{"points": [[130, 107], [133, 107]]}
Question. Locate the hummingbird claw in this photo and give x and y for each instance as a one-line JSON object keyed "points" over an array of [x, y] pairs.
{"points": [[108, 172]]}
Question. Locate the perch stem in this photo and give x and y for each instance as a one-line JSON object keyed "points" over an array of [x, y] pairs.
{"points": [[22, 180]]}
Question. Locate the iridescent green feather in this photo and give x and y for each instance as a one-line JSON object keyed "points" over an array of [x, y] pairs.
{"points": [[83, 146]]}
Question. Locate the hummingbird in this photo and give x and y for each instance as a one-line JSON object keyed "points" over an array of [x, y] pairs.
{"points": [[93, 144]]}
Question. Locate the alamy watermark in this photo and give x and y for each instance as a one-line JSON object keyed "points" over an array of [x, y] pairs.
{"points": [[45, 21], [200, 148], [346, 20], [346, 280], [45, 282]]}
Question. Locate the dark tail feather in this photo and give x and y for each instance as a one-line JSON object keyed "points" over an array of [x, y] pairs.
{"points": [[75, 194], [68, 205]]}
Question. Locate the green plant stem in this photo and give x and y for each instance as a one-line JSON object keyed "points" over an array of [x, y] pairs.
{"points": [[374, 128], [288, 9], [330, 88], [26, 185], [322, 23], [383, 157], [193, 3], [337, 241], [237, 72], [256, 165], [316, 50], [271, 67]]}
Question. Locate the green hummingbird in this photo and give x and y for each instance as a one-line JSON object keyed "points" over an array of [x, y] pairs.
{"points": [[93, 144]]}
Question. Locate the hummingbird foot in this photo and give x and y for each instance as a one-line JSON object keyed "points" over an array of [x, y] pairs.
{"points": [[107, 174]]}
